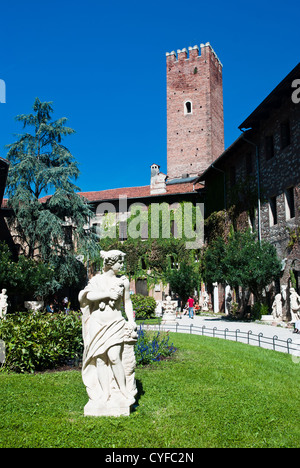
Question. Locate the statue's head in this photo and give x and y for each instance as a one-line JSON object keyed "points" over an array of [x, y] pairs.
{"points": [[112, 258]]}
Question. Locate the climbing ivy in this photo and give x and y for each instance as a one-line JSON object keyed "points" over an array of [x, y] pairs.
{"points": [[165, 248]]}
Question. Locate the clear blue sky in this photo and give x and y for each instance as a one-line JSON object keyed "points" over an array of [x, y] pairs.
{"points": [[102, 63]]}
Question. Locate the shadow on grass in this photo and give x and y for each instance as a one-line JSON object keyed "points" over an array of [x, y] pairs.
{"points": [[140, 393]]}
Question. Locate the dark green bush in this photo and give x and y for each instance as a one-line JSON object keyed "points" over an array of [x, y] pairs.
{"points": [[144, 306], [35, 342], [258, 309]]}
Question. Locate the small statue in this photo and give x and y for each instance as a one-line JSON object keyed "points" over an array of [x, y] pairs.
{"points": [[205, 301], [295, 305], [3, 303], [108, 359], [169, 308], [277, 307], [283, 289]]}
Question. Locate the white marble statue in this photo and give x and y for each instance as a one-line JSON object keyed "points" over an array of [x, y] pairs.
{"points": [[277, 308], [169, 311], [108, 359], [295, 305], [3, 303], [205, 301], [34, 306], [283, 289], [228, 299]]}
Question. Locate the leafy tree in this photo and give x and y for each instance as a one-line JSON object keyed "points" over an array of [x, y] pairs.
{"points": [[7, 267], [48, 228], [184, 281], [242, 261], [26, 279]]}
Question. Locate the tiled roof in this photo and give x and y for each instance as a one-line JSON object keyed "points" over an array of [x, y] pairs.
{"points": [[130, 192], [111, 194], [136, 192]]}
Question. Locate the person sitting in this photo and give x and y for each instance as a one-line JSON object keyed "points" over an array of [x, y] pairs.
{"points": [[50, 308], [196, 308], [297, 327]]}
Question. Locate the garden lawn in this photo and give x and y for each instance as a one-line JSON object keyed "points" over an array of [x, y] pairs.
{"points": [[212, 393]]}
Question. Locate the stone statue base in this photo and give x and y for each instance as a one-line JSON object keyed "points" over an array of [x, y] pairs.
{"points": [[117, 405], [267, 318], [109, 410], [169, 315], [169, 319]]}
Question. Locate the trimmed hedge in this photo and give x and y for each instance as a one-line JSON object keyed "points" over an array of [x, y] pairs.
{"points": [[39, 341]]}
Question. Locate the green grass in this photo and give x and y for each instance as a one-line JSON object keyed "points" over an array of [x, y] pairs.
{"points": [[214, 393], [149, 321]]}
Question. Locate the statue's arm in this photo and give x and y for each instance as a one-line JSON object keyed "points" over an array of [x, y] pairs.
{"points": [[97, 295], [94, 292], [127, 303]]}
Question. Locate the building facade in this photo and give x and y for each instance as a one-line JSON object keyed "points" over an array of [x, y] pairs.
{"points": [[259, 174], [5, 235]]}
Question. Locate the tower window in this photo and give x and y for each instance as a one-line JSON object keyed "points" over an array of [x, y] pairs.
{"points": [[272, 211], [289, 203], [269, 146], [232, 175], [249, 164], [285, 134], [187, 107]]}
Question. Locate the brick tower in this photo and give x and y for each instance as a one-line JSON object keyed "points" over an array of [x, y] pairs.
{"points": [[195, 126]]}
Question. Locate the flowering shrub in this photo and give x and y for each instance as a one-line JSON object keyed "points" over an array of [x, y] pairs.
{"points": [[152, 346], [144, 306]]}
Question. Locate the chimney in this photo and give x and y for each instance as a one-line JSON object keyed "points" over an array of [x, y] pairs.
{"points": [[158, 180]]}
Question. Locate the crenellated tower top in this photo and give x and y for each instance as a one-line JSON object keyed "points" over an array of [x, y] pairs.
{"points": [[193, 53]]}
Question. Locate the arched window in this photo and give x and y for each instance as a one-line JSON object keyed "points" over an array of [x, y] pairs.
{"points": [[187, 107]]}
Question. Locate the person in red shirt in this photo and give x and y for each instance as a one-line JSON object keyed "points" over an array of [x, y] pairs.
{"points": [[191, 307]]}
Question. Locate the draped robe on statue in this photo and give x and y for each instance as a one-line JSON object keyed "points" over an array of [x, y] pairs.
{"points": [[100, 334]]}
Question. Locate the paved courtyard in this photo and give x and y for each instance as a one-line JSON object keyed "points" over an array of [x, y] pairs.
{"points": [[278, 338]]}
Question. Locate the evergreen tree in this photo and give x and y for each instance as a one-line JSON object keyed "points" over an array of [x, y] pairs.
{"points": [[48, 228]]}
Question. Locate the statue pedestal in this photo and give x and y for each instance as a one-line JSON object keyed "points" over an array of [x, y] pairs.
{"points": [[115, 406], [169, 314], [169, 319], [267, 318], [109, 410]]}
